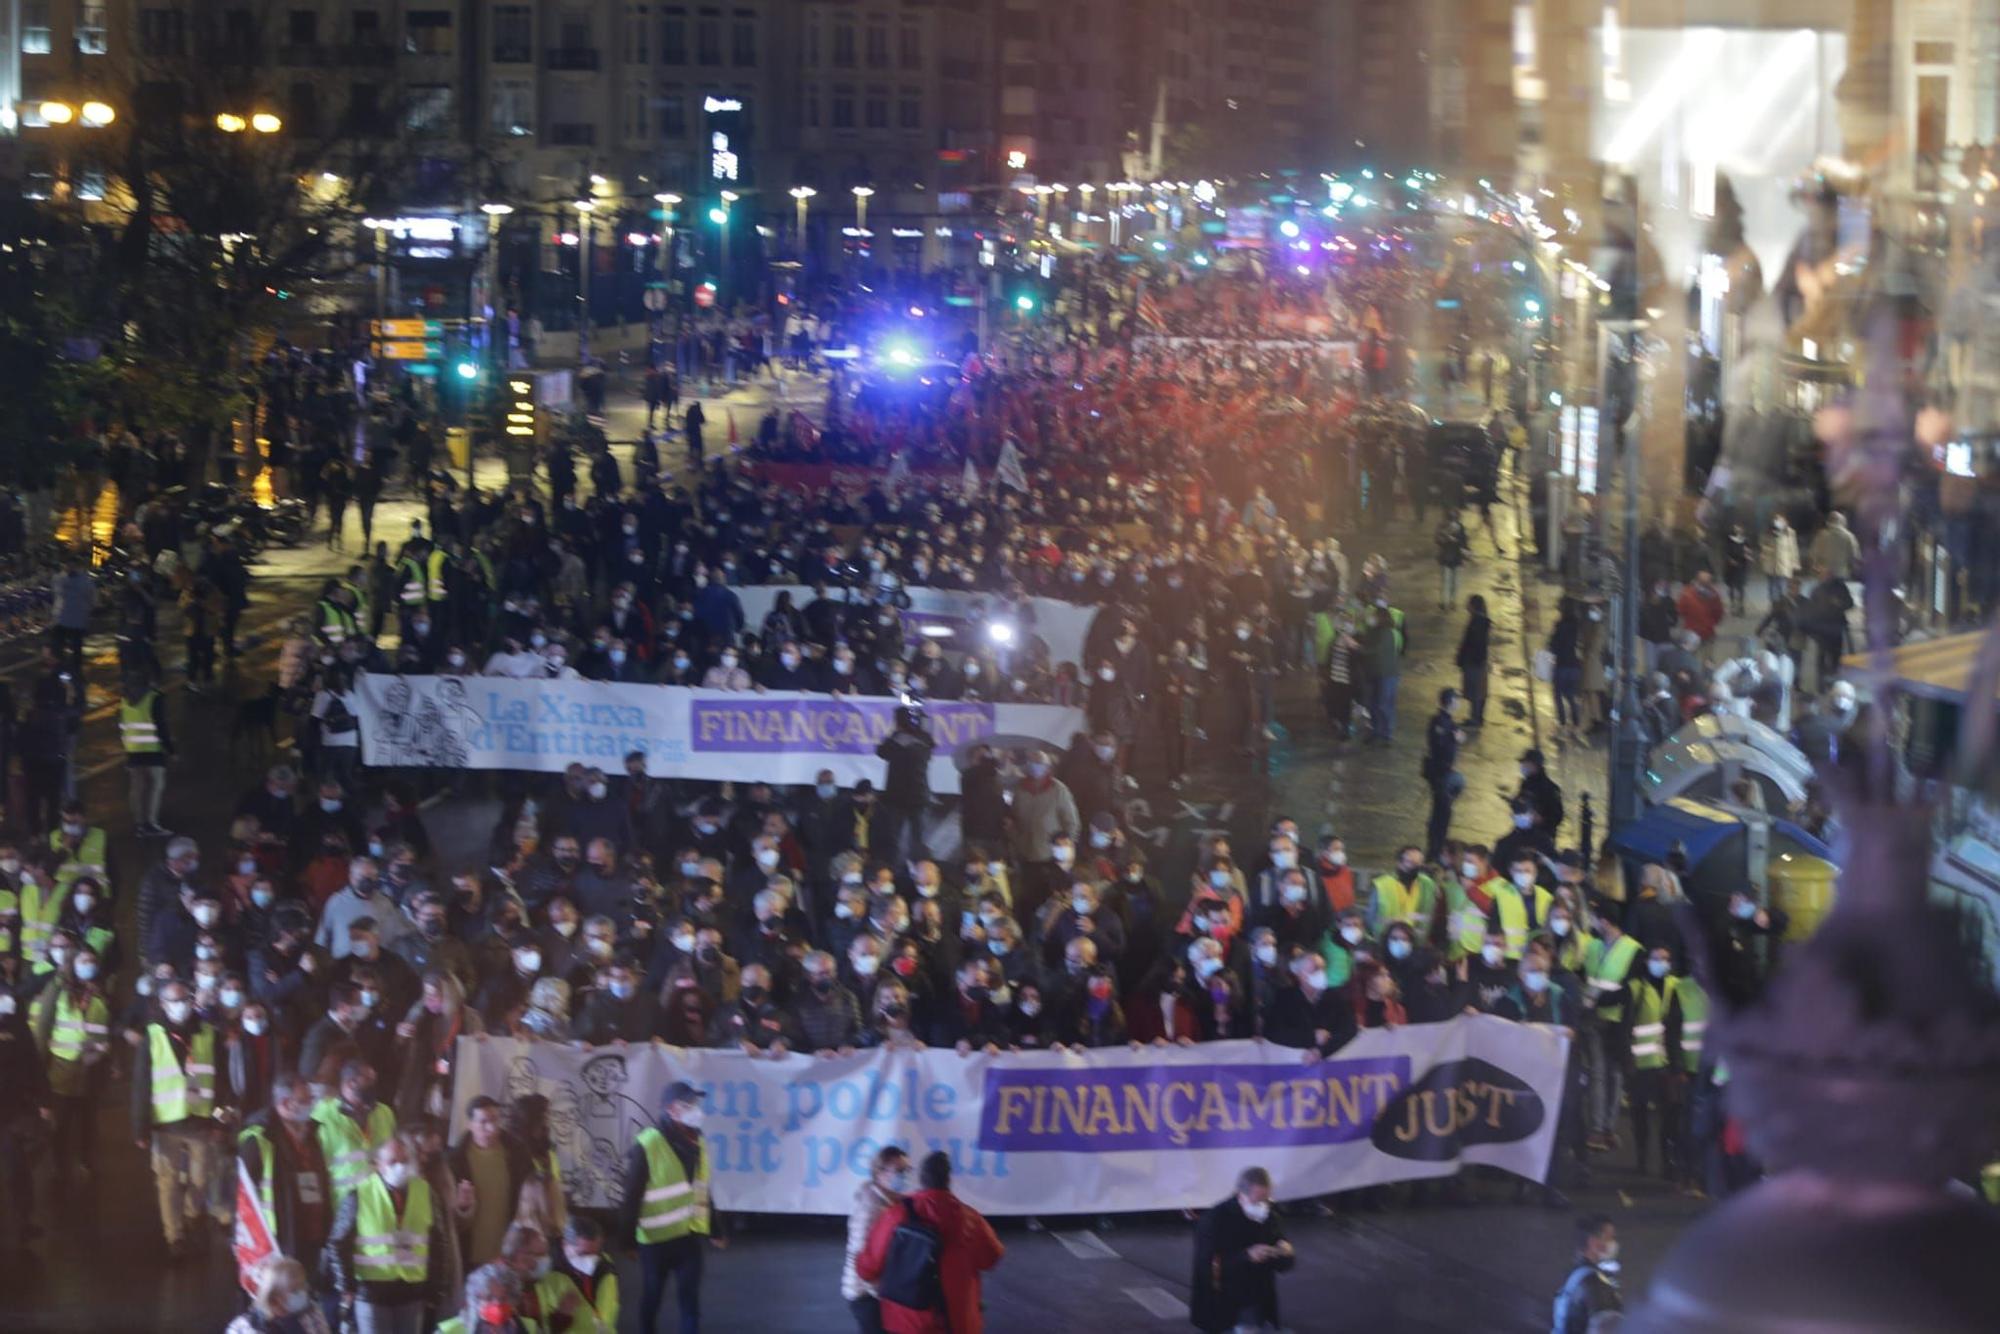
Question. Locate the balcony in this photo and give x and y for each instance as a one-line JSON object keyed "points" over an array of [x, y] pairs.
{"points": [[571, 58], [573, 135]]}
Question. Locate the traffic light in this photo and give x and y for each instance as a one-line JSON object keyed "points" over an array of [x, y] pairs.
{"points": [[521, 414], [1025, 303], [468, 370]]}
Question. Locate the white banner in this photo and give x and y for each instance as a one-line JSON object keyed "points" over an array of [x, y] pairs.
{"points": [[496, 722], [1063, 626], [1106, 1131]]}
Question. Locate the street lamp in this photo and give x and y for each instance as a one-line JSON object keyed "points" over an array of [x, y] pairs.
{"points": [[862, 193], [667, 200], [381, 230], [800, 194], [719, 215], [496, 343], [98, 114], [57, 113], [584, 208], [1085, 190], [263, 122]]}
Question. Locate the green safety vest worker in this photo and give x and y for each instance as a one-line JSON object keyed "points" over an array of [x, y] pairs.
{"points": [[552, 1289], [673, 1206], [388, 1249], [1411, 905], [1396, 624], [41, 909], [439, 562], [456, 1325], [182, 1095], [266, 1193], [1465, 927], [1693, 1002], [602, 1297], [336, 623], [89, 857], [1577, 950], [1514, 913], [360, 596], [73, 1030], [415, 586], [346, 1145], [136, 727], [1649, 1025], [1607, 976]]}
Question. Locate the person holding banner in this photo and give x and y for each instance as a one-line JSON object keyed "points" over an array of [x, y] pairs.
{"points": [[282, 1173], [1239, 1251]]}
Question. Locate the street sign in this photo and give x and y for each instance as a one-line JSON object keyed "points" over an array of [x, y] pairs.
{"points": [[412, 350], [408, 328], [704, 296]]}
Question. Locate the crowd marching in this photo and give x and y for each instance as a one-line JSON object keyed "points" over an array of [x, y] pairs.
{"points": [[291, 999]]}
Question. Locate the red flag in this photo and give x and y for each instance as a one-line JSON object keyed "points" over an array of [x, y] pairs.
{"points": [[254, 1239]]}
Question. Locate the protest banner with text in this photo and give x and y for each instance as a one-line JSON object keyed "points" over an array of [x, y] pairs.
{"points": [[491, 722], [1112, 1130]]}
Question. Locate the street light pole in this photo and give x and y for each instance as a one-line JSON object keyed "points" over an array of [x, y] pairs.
{"points": [[802, 193], [583, 229], [665, 263], [1628, 747]]}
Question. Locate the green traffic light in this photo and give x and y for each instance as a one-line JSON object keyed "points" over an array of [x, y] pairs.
{"points": [[1024, 302], [468, 370]]}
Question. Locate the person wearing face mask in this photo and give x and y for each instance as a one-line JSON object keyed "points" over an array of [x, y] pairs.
{"points": [[26, 1108], [1520, 903], [178, 1111], [1613, 973], [279, 1151], [1653, 1087], [78, 847], [756, 1024], [176, 935], [1591, 1289], [1239, 1251], [386, 1250], [165, 889], [1408, 894], [149, 749], [666, 1205], [70, 1019], [824, 1014], [888, 1185], [89, 919], [251, 1052], [619, 1011], [1083, 915], [967, 1249], [352, 1125], [363, 896], [1044, 811], [1541, 793]]}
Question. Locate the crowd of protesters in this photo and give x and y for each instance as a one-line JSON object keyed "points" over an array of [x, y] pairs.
{"points": [[299, 988]]}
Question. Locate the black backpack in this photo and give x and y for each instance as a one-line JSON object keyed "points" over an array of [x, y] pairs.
{"points": [[910, 1272]]}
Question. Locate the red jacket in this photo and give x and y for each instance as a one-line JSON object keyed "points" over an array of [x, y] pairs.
{"points": [[1700, 613], [1144, 1021], [970, 1248]]}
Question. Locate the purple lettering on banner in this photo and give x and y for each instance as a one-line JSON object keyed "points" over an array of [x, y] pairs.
{"points": [[752, 724], [1136, 1108]]}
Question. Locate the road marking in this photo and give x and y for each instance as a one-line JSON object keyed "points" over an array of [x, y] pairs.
{"points": [[1159, 1303], [1086, 1246]]}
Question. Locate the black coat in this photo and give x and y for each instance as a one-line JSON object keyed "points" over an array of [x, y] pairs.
{"points": [[1228, 1288], [288, 1162]]}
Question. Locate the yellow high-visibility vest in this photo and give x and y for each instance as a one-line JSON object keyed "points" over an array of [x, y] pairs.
{"points": [[388, 1249], [673, 1206], [136, 728], [180, 1095]]}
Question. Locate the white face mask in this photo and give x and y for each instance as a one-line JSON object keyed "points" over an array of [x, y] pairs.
{"points": [[579, 1262], [527, 960], [1063, 855], [691, 1117], [1469, 869], [1351, 934], [177, 1011], [1492, 954], [767, 857], [255, 1027], [684, 942], [565, 929], [1524, 879], [1266, 955], [396, 1175], [1256, 1213]]}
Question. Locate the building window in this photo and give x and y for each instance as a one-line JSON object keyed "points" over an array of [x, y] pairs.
{"points": [[875, 109], [673, 38], [513, 35], [878, 44], [364, 107], [843, 45], [302, 109], [367, 27], [743, 42], [162, 32], [673, 116], [574, 33], [513, 107], [910, 46], [842, 111], [638, 118], [638, 34], [910, 109], [428, 109], [302, 27], [812, 42], [427, 32], [708, 41], [90, 37], [35, 28], [809, 106]]}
